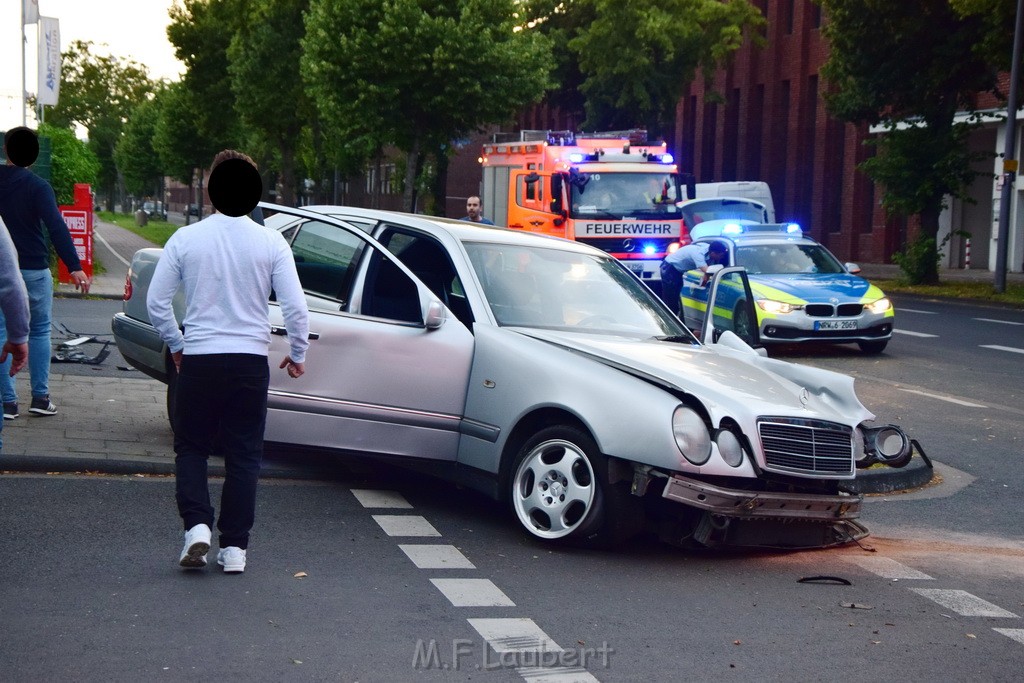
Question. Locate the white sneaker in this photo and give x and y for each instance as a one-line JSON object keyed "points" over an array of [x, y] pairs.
{"points": [[197, 544], [232, 559]]}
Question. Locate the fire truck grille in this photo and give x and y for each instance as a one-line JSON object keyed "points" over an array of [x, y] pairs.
{"points": [[633, 245], [806, 446]]}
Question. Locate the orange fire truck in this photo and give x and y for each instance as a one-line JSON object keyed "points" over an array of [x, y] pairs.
{"points": [[614, 191]]}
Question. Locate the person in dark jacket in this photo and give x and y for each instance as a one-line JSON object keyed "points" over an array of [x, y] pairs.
{"points": [[29, 209]]}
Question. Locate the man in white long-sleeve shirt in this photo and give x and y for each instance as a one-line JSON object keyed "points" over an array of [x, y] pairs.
{"points": [[228, 265]]}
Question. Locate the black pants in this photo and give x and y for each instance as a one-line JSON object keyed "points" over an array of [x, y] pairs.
{"points": [[221, 402], [671, 286]]}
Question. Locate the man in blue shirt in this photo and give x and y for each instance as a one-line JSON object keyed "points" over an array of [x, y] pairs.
{"points": [[474, 212]]}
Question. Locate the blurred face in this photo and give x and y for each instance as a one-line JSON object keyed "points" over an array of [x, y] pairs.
{"points": [[473, 208], [716, 257]]}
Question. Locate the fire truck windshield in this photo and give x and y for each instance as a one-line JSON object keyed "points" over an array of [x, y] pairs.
{"points": [[624, 195]]}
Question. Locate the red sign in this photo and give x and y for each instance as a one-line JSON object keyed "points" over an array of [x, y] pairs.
{"points": [[79, 218]]}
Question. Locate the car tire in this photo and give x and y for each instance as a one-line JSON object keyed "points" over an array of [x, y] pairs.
{"points": [[560, 492], [743, 326], [873, 347]]}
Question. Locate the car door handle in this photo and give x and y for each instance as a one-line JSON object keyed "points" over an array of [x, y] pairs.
{"points": [[282, 332]]}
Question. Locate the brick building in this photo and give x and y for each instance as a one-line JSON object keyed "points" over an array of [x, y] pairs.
{"points": [[770, 123]]}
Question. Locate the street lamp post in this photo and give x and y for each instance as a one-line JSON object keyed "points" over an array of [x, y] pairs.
{"points": [[1009, 157]]}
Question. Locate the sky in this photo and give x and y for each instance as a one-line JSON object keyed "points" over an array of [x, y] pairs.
{"points": [[130, 29]]}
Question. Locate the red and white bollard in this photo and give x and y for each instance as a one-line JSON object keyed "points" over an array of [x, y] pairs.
{"points": [[967, 254]]}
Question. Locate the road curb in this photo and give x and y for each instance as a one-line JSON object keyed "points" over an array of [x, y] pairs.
{"points": [[917, 473]]}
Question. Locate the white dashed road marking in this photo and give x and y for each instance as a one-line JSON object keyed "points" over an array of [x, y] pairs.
{"points": [[957, 401], [516, 634], [369, 498], [888, 569], [916, 310], [472, 593], [963, 603], [405, 525], [544, 661], [1015, 633], [1002, 348], [556, 675], [1003, 322], [436, 557], [915, 334]]}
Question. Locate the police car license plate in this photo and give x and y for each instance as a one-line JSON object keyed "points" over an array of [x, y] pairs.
{"points": [[637, 268], [835, 325]]}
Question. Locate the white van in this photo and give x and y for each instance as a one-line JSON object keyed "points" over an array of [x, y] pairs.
{"points": [[740, 189]]}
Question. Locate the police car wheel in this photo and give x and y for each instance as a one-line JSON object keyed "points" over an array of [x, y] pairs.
{"points": [[743, 326], [873, 347]]}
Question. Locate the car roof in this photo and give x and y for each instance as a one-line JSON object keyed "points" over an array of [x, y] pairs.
{"points": [[463, 231]]}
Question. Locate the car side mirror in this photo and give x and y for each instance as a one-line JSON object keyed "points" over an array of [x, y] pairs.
{"points": [[435, 315], [852, 268]]}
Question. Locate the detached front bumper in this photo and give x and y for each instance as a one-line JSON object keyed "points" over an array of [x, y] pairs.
{"points": [[736, 504]]}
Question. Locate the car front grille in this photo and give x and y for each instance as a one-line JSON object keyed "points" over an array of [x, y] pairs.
{"points": [[796, 446], [829, 311]]}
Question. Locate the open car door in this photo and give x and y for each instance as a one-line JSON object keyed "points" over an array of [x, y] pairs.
{"points": [[730, 308]]}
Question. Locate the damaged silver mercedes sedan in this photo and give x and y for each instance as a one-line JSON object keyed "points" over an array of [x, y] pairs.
{"points": [[543, 373]]}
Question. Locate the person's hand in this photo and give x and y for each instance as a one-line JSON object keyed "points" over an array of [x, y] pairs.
{"points": [[18, 353], [176, 358], [294, 369], [81, 281]]}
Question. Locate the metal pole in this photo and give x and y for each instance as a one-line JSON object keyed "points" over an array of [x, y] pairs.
{"points": [[1009, 157], [24, 40]]}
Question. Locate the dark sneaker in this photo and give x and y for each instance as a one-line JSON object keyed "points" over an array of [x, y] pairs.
{"points": [[42, 406], [10, 411]]}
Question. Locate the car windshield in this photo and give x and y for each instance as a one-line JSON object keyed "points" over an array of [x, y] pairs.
{"points": [[562, 290], [700, 210], [787, 259], [624, 195]]}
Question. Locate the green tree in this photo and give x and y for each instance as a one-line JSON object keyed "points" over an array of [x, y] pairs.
{"points": [[418, 73], [71, 162], [99, 92], [269, 95], [137, 160], [910, 66], [174, 135], [201, 32], [636, 58]]}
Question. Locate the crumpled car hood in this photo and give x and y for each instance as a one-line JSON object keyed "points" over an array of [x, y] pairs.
{"points": [[736, 382]]}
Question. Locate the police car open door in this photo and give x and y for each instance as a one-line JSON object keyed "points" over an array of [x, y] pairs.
{"points": [[730, 308]]}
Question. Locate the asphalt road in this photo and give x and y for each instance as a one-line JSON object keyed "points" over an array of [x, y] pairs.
{"points": [[337, 589]]}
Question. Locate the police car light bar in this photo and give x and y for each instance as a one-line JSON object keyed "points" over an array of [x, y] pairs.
{"points": [[792, 229]]}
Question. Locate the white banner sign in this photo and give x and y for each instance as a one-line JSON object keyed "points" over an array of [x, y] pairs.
{"points": [[30, 10], [49, 61]]}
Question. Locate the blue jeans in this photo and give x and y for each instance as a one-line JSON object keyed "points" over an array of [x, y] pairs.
{"points": [[39, 284]]}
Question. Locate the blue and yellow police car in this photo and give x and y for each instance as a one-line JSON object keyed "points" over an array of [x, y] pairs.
{"points": [[801, 290]]}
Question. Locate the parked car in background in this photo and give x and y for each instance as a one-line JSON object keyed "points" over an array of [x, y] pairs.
{"points": [[543, 373], [802, 292], [155, 209], [192, 210]]}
